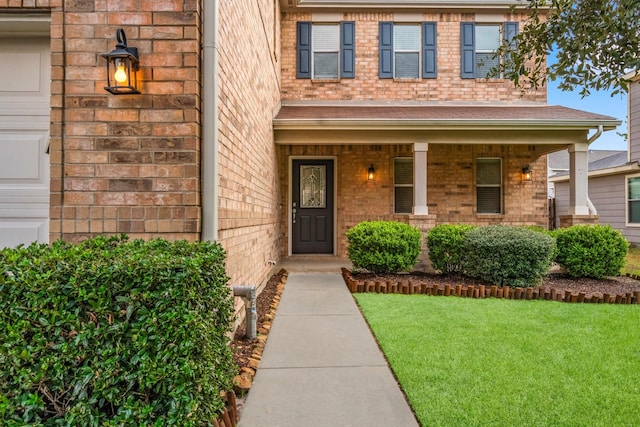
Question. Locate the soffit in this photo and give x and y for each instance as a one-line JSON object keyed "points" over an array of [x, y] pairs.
{"points": [[438, 117]]}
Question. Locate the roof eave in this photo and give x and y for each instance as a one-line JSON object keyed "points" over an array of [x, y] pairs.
{"points": [[451, 124], [404, 4], [630, 167]]}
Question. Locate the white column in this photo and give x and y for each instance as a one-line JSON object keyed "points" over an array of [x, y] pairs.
{"points": [[579, 179], [420, 178]]}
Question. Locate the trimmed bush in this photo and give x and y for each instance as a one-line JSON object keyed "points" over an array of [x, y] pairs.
{"points": [[112, 332], [593, 251], [446, 247], [383, 246], [508, 256]]}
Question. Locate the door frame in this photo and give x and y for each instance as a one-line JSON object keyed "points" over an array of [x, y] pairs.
{"points": [[290, 201]]}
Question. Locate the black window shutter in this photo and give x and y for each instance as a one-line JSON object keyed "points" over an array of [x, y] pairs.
{"points": [[510, 33], [468, 50], [385, 57], [303, 47], [429, 51], [347, 50]]}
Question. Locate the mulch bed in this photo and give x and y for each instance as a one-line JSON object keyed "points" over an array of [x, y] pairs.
{"points": [[561, 282], [247, 352]]}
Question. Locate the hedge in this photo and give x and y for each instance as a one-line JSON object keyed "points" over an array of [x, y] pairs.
{"points": [[383, 246], [508, 256], [113, 332], [593, 251], [446, 247]]}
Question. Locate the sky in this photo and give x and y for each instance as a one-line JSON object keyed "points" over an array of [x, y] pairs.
{"points": [[597, 102]]}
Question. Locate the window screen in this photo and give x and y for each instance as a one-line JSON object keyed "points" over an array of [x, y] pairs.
{"points": [[406, 40], [326, 48], [403, 184], [487, 42], [489, 185]]}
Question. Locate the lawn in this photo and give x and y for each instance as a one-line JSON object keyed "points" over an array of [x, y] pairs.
{"points": [[468, 362], [633, 262]]}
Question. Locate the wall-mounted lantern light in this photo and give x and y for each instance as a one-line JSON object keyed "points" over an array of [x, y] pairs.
{"points": [[527, 173], [122, 67], [371, 174]]}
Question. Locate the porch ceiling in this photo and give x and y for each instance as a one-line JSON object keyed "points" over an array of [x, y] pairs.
{"points": [[439, 118]]}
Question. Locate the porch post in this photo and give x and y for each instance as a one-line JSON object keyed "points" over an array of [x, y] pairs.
{"points": [[579, 179], [420, 178]]}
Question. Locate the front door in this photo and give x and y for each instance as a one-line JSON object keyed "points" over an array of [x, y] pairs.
{"points": [[312, 206]]}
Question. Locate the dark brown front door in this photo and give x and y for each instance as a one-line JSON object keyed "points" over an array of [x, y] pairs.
{"points": [[312, 206]]}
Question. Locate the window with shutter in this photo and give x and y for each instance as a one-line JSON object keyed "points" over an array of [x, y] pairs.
{"points": [[407, 51], [403, 184], [489, 185], [325, 51], [479, 43]]}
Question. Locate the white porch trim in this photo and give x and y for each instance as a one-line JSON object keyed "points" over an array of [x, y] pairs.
{"points": [[420, 150]]}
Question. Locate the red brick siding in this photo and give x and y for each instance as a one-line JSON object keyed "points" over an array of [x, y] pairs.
{"points": [[367, 86], [450, 185], [249, 198]]}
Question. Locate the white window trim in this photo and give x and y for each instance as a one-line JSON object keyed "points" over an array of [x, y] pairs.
{"points": [[627, 200], [501, 186], [314, 50], [501, 31], [408, 24]]}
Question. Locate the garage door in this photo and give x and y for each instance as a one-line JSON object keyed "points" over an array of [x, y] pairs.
{"points": [[24, 134]]}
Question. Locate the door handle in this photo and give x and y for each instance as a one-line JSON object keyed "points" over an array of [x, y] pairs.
{"points": [[293, 211]]}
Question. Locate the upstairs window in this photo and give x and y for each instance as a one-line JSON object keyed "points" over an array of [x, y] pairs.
{"points": [[403, 185], [489, 185], [487, 43], [407, 51], [479, 43], [325, 51]]}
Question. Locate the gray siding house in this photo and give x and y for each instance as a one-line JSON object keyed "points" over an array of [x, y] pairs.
{"points": [[614, 177]]}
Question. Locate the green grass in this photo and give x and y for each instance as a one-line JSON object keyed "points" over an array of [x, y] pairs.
{"points": [[468, 362], [633, 262]]}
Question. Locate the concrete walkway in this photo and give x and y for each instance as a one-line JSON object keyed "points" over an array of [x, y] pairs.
{"points": [[321, 365]]}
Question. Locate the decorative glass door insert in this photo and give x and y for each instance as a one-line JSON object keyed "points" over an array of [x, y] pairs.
{"points": [[313, 184]]}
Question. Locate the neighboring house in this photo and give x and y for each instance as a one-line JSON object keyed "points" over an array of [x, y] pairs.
{"points": [[614, 180], [558, 163], [271, 126]]}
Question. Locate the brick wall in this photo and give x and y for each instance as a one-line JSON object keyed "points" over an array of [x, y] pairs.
{"points": [[249, 227], [367, 86], [125, 164], [450, 185]]}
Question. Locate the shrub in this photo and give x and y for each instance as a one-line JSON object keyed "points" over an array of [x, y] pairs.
{"points": [[383, 246], [511, 256], [591, 250], [112, 332], [446, 246]]}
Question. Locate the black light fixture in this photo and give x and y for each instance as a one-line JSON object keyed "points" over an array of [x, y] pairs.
{"points": [[371, 174], [527, 173], [122, 67]]}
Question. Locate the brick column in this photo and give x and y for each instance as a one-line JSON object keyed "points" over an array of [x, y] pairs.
{"points": [[420, 178]]}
